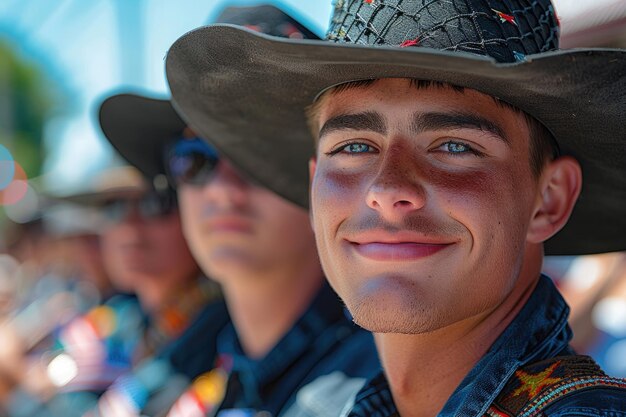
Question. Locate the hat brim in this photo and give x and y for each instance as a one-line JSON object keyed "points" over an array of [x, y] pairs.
{"points": [[122, 182], [139, 128], [98, 198], [246, 93]]}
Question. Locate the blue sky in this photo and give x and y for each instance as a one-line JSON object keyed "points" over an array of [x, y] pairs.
{"points": [[89, 48]]}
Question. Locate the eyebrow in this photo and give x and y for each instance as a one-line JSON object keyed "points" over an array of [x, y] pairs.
{"points": [[423, 122], [371, 121]]}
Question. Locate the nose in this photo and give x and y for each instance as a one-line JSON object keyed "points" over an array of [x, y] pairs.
{"points": [[226, 188], [398, 187]]}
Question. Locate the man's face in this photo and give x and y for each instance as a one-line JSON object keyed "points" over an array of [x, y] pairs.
{"points": [[421, 199], [138, 250], [235, 227]]}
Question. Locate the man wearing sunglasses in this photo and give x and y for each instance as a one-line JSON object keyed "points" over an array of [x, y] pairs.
{"points": [[144, 248], [144, 253], [143, 245], [289, 327], [291, 349]]}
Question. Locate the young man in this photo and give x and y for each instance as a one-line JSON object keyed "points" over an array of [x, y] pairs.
{"points": [[291, 349], [450, 141], [174, 310]]}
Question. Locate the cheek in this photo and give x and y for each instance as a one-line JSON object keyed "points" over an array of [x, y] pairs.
{"points": [[481, 190], [332, 195], [332, 190], [190, 206], [492, 205], [335, 197], [189, 201], [112, 240], [288, 227], [166, 235], [106, 246]]}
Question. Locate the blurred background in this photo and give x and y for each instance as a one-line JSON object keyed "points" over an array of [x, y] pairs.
{"points": [[59, 59]]}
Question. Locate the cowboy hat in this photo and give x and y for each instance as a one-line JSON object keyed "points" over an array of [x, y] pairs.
{"points": [[140, 127], [247, 92]]}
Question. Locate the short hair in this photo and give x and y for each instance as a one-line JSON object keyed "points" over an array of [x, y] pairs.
{"points": [[543, 146]]}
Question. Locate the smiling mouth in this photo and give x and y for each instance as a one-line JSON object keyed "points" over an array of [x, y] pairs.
{"points": [[397, 251]]}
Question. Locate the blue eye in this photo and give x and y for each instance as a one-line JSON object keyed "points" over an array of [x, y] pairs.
{"points": [[353, 148], [357, 148], [458, 148]]}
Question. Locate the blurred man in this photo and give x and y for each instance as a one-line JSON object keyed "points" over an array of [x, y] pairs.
{"points": [[449, 142], [144, 253], [291, 349]]}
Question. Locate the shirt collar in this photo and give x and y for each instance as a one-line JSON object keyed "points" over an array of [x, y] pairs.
{"points": [[539, 331], [324, 311]]}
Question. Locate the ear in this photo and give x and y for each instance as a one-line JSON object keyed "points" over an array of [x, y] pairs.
{"points": [[312, 168], [559, 188]]}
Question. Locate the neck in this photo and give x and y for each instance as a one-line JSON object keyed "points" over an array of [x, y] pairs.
{"points": [[264, 305], [424, 369]]}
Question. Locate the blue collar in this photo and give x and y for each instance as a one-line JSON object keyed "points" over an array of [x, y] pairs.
{"points": [[255, 374], [539, 331]]}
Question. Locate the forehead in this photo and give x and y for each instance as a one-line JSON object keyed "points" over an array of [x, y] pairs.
{"points": [[399, 95]]}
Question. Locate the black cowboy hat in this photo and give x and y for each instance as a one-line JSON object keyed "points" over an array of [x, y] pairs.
{"points": [[247, 92], [140, 127]]}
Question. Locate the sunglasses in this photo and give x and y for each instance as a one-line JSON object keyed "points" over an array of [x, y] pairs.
{"points": [[151, 206], [190, 162]]}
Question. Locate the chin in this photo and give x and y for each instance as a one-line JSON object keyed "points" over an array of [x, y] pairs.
{"points": [[379, 319], [393, 305], [226, 263]]}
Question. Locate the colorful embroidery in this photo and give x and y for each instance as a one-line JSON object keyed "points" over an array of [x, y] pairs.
{"points": [[505, 17], [539, 385], [494, 412], [566, 387], [533, 384]]}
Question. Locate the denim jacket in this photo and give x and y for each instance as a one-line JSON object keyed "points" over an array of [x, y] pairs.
{"points": [[539, 331]]}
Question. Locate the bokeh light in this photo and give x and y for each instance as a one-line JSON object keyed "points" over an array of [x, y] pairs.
{"points": [[26, 209], [62, 369], [16, 189], [609, 315], [615, 359], [7, 168]]}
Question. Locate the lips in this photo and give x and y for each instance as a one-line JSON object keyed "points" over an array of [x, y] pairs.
{"points": [[397, 247], [233, 224], [397, 251]]}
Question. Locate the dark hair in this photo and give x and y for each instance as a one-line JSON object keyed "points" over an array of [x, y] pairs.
{"points": [[543, 146]]}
